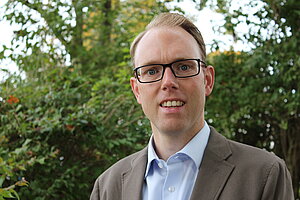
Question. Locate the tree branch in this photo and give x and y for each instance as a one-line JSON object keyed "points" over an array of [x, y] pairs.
{"points": [[48, 17]]}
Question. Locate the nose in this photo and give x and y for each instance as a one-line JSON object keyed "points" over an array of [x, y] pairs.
{"points": [[169, 81]]}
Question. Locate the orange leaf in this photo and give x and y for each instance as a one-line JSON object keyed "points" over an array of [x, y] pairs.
{"points": [[70, 127], [12, 99]]}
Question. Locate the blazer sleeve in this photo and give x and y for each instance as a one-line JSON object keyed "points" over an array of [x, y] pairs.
{"points": [[278, 183], [95, 195], [108, 185]]}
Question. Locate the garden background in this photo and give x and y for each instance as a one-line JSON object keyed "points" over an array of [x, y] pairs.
{"points": [[68, 113]]}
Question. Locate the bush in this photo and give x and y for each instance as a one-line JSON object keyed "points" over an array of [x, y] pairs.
{"points": [[68, 129]]}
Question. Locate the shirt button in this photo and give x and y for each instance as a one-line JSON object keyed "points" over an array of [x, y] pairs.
{"points": [[171, 189], [160, 165]]}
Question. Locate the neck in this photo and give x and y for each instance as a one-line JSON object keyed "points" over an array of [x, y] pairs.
{"points": [[166, 147], [167, 144]]}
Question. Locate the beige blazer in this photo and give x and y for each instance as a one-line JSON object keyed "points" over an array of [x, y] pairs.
{"points": [[229, 171]]}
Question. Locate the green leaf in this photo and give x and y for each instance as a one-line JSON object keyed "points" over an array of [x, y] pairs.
{"points": [[41, 161], [6, 194], [2, 179], [15, 193]]}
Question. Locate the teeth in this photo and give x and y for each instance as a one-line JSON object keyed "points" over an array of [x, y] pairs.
{"points": [[172, 103]]}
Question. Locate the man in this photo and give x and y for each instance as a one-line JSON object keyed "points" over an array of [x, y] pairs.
{"points": [[185, 158]]}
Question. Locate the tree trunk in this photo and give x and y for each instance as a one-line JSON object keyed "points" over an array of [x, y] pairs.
{"points": [[77, 41], [106, 27]]}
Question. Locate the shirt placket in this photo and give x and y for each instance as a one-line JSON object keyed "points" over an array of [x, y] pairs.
{"points": [[172, 181]]}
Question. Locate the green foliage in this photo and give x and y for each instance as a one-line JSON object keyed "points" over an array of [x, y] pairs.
{"points": [[89, 34], [11, 161], [9, 192], [70, 127]]}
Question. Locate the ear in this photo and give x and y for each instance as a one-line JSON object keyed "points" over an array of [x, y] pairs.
{"points": [[135, 89], [209, 79]]}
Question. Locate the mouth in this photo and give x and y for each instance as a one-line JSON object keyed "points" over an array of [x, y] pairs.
{"points": [[170, 104]]}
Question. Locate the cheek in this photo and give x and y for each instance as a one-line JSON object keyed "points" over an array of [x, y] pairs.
{"points": [[142, 95], [148, 107], [146, 98], [198, 95], [139, 100]]}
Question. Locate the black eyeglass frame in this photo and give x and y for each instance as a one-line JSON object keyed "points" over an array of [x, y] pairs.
{"points": [[170, 66]]}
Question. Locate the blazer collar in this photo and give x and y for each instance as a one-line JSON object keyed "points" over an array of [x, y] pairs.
{"points": [[214, 170], [133, 179]]}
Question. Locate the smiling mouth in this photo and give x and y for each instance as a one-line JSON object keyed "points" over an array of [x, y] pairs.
{"points": [[172, 104]]}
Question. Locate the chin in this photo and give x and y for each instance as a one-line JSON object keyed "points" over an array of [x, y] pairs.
{"points": [[172, 130], [170, 127]]}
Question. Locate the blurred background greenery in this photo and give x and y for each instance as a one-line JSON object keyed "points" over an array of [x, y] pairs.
{"points": [[70, 114]]}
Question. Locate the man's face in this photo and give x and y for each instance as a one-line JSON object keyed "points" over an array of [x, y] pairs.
{"points": [[165, 45]]}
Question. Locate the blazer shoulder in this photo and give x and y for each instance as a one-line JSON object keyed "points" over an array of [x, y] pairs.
{"points": [[253, 160], [252, 154], [262, 171], [126, 164], [109, 184], [242, 156]]}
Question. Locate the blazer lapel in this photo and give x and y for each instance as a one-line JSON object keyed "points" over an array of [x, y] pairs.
{"points": [[214, 170], [133, 179]]}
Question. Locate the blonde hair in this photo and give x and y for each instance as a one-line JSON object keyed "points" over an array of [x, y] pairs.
{"points": [[171, 20]]}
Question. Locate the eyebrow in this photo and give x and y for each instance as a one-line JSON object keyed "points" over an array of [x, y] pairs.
{"points": [[152, 62]]}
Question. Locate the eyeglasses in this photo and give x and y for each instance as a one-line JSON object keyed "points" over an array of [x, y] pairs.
{"points": [[184, 68]]}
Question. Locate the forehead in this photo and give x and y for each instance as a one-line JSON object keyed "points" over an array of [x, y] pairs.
{"points": [[164, 45]]}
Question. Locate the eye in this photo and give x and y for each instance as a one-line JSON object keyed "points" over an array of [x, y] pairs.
{"points": [[151, 71], [184, 67]]}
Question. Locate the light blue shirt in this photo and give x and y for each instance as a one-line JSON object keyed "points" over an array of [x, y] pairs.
{"points": [[174, 178]]}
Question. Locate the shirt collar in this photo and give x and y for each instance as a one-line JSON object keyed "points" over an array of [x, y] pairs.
{"points": [[151, 155], [194, 148]]}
